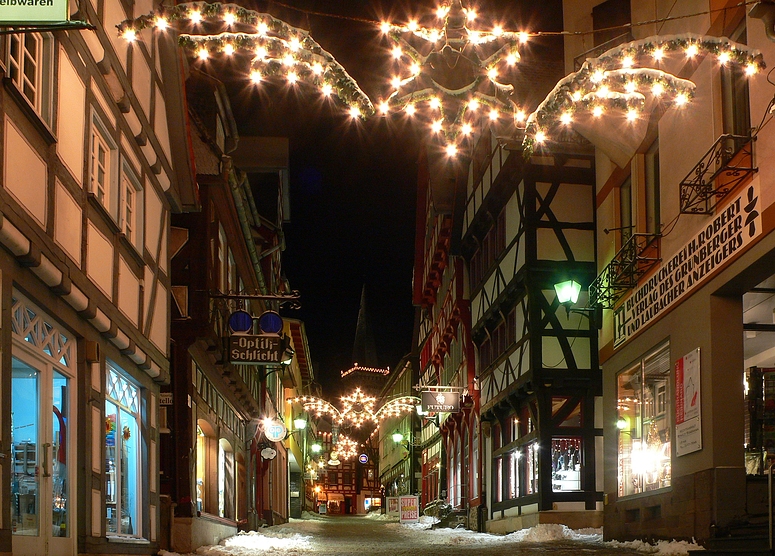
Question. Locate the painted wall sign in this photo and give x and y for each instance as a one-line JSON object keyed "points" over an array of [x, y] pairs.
{"points": [[438, 402], [255, 349], [734, 227], [24, 12], [688, 421]]}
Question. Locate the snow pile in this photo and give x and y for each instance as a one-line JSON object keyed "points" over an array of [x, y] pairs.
{"points": [[663, 548], [247, 543], [544, 532], [381, 517]]}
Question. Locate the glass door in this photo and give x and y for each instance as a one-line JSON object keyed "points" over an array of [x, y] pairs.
{"points": [[41, 475]]}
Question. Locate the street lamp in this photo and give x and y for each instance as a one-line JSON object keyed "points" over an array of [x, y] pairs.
{"points": [[568, 293], [397, 437], [300, 423]]}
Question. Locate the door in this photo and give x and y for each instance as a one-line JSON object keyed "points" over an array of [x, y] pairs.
{"points": [[42, 433]]}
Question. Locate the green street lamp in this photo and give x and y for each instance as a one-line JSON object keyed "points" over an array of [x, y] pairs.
{"points": [[567, 291], [300, 424]]}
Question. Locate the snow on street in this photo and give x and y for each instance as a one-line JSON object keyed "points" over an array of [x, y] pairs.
{"points": [[379, 534]]}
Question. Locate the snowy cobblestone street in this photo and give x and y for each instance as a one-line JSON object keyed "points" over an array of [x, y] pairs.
{"points": [[340, 536]]}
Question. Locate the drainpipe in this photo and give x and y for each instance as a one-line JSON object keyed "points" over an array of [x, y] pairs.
{"points": [[765, 10], [236, 190]]}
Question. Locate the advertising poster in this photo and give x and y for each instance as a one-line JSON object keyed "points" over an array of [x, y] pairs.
{"points": [[688, 421], [410, 509], [392, 505]]}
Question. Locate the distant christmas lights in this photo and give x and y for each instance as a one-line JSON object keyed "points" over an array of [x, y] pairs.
{"points": [[358, 408]]}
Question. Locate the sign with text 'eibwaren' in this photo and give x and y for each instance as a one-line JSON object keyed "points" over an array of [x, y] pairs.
{"points": [[255, 349], [26, 12]]}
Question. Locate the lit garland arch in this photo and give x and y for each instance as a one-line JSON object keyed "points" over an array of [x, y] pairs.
{"points": [[451, 75], [623, 80], [275, 49], [358, 408]]}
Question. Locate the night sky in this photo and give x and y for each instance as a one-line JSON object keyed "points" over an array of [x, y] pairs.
{"points": [[353, 187]]}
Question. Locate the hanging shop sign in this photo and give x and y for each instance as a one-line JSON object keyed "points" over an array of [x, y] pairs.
{"points": [[410, 509], [255, 349], [722, 239], [26, 12], [363, 458], [275, 430], [438, 402], [688, 421]]}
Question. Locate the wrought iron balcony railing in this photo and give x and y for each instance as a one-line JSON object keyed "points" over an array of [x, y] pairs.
{"points": [[728, 162], [637, 257]]}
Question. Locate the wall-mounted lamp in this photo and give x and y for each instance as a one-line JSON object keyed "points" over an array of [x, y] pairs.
{"points": [[316, 447], [568, 294], [397, 437], [300, 424]]}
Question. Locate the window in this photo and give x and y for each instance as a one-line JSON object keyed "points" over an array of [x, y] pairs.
{"points": [[131, 206], [226, 479], [201, 475], [102, 165], [643, 403], [625, 211], [531, 468], [566, 464], [30, 66], [513, 459], [651, 175], [734, 93], [123, 497]]}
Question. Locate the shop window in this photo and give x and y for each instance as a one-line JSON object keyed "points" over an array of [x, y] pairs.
{"points": [[566, 464], [513, 459], [30, 70], [475, 461], [643, 424], [123, 496], [531, 468], [225, 479], [735, 104], [498, 479], [201, 475]]}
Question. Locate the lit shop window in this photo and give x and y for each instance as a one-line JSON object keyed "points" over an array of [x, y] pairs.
{"points": [[643, 424], [531, 468], [201, 475], [122, 455], [566, 464]]}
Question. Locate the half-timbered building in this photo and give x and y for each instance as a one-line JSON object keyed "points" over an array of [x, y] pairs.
{"points": [[685, 253], [94, 160], [213, 467], [528, 224]]}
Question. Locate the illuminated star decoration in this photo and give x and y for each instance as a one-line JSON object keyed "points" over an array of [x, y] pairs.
{"points": [[267, 47], [450, 75], [357, 408], [347, 448], [626, 78]]}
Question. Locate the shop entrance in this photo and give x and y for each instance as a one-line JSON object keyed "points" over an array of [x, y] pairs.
{"points": [[42, 436]]}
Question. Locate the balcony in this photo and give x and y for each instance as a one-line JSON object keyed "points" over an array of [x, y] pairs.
{"points": [[725, 166], [635, 259]]}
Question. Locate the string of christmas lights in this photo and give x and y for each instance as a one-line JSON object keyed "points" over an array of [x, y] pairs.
{"points": [[451, 74], [358, 408], [273, 48], [623, 77]]}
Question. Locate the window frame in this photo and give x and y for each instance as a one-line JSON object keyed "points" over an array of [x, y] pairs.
{"points": [[129, 179], [139, 457], [41, 104], [108, 201]]}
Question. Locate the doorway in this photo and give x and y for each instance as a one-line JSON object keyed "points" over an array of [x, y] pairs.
{"points": [[42, 435]]}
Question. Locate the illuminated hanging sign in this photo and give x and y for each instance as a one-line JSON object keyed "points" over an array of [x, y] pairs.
{"points": [[441, 402], [26, 12], [719, 241], [275, 430], [255, 349]]}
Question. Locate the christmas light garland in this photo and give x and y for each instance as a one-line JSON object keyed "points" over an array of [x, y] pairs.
{"points": [[622, 77], [358, 408], [275, 48], [449, 75]]}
